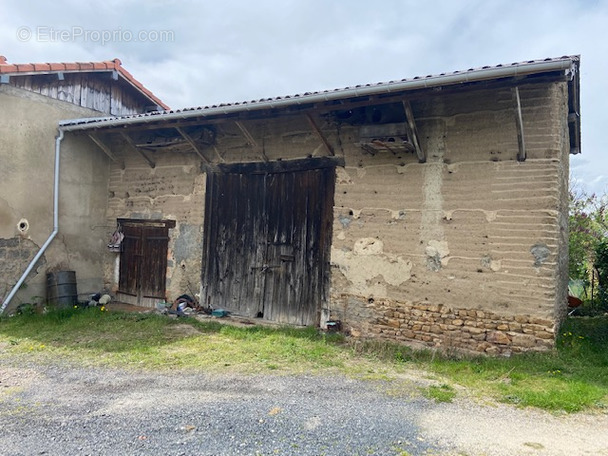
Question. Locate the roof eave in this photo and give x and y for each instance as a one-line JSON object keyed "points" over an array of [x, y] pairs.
{"points": [[569, 63]]}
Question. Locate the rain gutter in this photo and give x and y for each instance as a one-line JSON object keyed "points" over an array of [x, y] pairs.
{"points": [[29, 268], [518, 69]]}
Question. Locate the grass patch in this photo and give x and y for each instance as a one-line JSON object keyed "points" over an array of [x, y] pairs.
{"points": [[94, 337], [572, 378], [441, 393]]}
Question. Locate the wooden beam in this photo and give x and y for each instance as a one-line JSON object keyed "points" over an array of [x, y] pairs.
{"points": [[193, 144], [104, 147], [219, 156], [283, 166], [412, 131], [319, 133], [519, 121], [250, 139], [141, 152]]}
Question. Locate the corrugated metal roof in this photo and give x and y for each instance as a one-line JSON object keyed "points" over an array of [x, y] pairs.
{"points": [[565, 63]]}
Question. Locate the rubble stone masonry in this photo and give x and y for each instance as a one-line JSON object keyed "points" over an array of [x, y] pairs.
{"points": [[452, 329]]}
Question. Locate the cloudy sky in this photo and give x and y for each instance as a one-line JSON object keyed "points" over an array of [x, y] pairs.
{"points": [[193, 53]]}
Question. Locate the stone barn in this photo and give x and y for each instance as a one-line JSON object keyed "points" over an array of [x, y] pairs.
{"points": [[430, 210]]}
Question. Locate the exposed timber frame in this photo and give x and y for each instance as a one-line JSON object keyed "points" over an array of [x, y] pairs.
{"points": [[412, 131], [193, 144], [319, 133]]}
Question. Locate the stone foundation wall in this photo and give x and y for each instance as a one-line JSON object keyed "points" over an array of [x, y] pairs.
{"points": [[446, 328]]}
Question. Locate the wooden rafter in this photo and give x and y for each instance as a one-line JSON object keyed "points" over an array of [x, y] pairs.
{"points": [[521, 155], [412, 131], [102, 146], [138, 149], [319, 133], [193, 144], [250, 139]]}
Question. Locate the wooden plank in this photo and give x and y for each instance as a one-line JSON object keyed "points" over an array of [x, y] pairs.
{"points": [[519, 122], [319, 133], [412, 131], [153, 269]]}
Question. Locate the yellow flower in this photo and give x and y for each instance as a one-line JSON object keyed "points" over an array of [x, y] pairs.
{"points": [[103, 308]]}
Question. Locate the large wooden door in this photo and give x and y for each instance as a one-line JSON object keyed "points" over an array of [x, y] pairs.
{"points": [[143, 263], [267, 240]]}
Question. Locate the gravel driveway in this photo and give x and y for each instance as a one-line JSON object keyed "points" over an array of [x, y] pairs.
{"points": [[61, 410]]}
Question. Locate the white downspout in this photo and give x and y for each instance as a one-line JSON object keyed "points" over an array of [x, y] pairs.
{"points": [[12, 293]]}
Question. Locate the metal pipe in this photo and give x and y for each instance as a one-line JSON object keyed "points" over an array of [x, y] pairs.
{"points": [[29, 268], [519, 69]]}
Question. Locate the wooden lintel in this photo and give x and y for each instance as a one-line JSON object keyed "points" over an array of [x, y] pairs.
{"points": [[141, 152], [193, 144], [412, 131], [250, 139], [104, 147], [519, 121], [283, 166], [319, 133]]}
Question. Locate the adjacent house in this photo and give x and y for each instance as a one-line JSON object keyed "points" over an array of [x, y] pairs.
{"points": [[33, 99], [430, 210]]}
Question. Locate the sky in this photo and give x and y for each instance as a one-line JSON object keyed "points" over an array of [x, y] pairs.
{"points": [[196, 53]]}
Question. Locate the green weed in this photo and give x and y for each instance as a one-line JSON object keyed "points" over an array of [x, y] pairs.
{"points": [[442, 393]]}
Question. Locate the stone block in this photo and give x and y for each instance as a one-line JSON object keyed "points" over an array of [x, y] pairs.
{"points": [[394, 323], [492, 350], [522, 340], [498, 337]]}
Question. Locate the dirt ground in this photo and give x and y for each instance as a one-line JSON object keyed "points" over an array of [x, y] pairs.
{"points": [[67, 410]]}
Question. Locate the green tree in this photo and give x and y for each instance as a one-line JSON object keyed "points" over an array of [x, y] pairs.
{"points": [[585, 233], [588, 244]]}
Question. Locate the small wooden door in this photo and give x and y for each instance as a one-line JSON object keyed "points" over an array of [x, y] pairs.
{"points": [[267, 240], [143, 263]]}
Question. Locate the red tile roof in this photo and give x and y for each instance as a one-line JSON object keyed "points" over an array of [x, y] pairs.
{"points": [[108, 65]]}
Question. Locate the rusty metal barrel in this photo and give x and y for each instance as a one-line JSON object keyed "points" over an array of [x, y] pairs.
{"points": [[61, 289]]}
